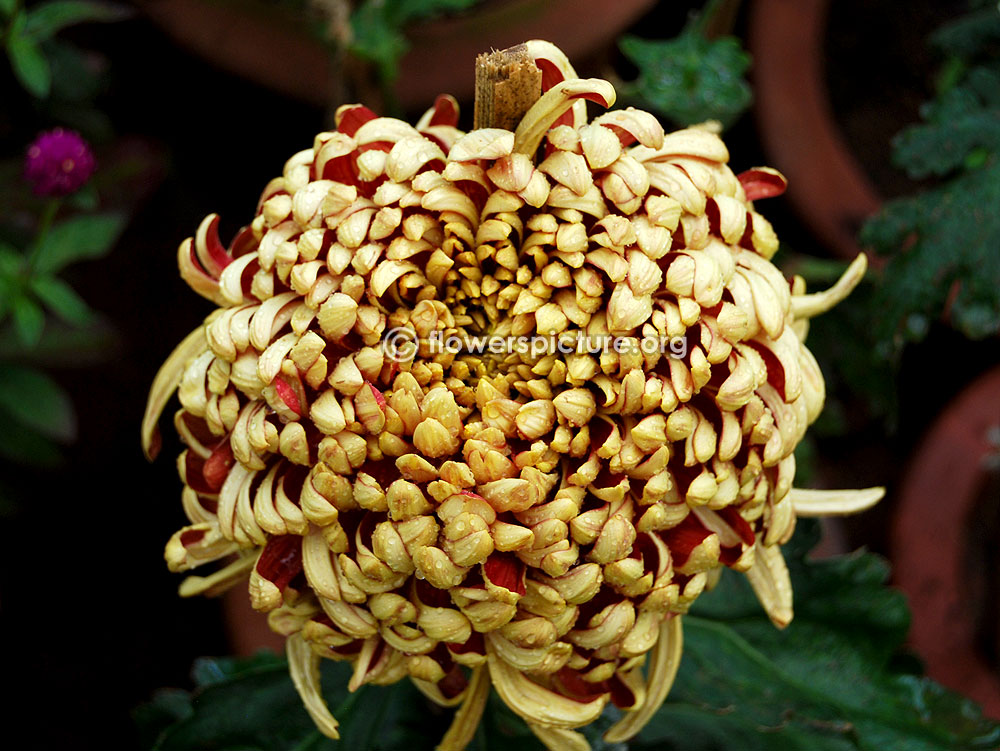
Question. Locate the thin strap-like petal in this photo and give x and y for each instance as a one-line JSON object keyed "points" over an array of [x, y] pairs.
{"points": [[466, 719], [834, 502], [807, 306], [303, 664], [770, 581], [167, 379], [666, 658]]}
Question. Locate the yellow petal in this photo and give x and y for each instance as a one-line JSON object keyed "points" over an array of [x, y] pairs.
{"points": [[770, 581], [666, 658], [303, 665], [218, 582], [558, 739], [466, 719], [552, 104], [537, 704], [807, 306], [167, 379], [834, 502]]}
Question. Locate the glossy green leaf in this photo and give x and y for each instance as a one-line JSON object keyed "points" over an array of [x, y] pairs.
{"points": [[828, 682], [690, 79], [832, 681], [248, 706], [47, 19], [29, 64], [36, 401], [252, 704], [80, 238], [62, 300]]}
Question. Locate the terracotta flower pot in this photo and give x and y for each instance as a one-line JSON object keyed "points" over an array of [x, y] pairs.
{"points": [[232, 35], [826, 185], [938, 507]]}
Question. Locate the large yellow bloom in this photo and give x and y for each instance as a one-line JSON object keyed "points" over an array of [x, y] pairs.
{"points": [[535, 518]]}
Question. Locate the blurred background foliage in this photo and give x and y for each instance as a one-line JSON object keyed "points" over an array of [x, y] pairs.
{"points": [[90, 304]]}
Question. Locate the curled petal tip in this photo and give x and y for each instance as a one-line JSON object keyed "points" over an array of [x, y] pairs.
{"points": [[807, 306], [553, 104], [164, 385], [303, 664]]}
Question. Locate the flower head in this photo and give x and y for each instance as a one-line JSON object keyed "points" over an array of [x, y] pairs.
{"points": [[534, 520], [58, 163]]}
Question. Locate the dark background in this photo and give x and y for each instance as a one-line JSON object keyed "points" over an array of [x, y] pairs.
{"points": [[89, 618]]}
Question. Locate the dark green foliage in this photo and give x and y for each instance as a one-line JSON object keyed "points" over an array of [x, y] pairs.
{"points": [[943, 242], [28, 31], [690, 79], [829, 682]]}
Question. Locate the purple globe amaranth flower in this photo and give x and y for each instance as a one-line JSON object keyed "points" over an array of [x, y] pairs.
{"points": [[58, 163]]}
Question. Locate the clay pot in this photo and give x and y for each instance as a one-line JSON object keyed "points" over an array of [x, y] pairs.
{"points": [[826, 185], [932, 545], [275, 49]]}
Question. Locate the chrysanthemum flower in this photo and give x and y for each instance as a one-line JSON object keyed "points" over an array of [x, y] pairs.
{"points": [[535, 521], [58, 163]]}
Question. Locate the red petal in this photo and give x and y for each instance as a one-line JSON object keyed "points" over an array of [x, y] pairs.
{"points": [[505, 570], [684, 538], [288, 395], [551, 75], [353, 118], [445, 111], [742, 527], [281, 560], [217, 466], [379, 396], [475, 644], [216, 251], [758, 183], [191, 537]]}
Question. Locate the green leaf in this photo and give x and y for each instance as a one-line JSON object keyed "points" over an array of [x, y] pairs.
{"points": [[168, 706], [81, 238], [959, 122], [49, 18], [38, 402], [831, 681], [378, 27], [248, 706], [691, 79], [62, 300], [950, 235], [827, 682], [7, 7], [29, 64], [968, 35], [11, 266], [942, 242], [29, 319]]}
